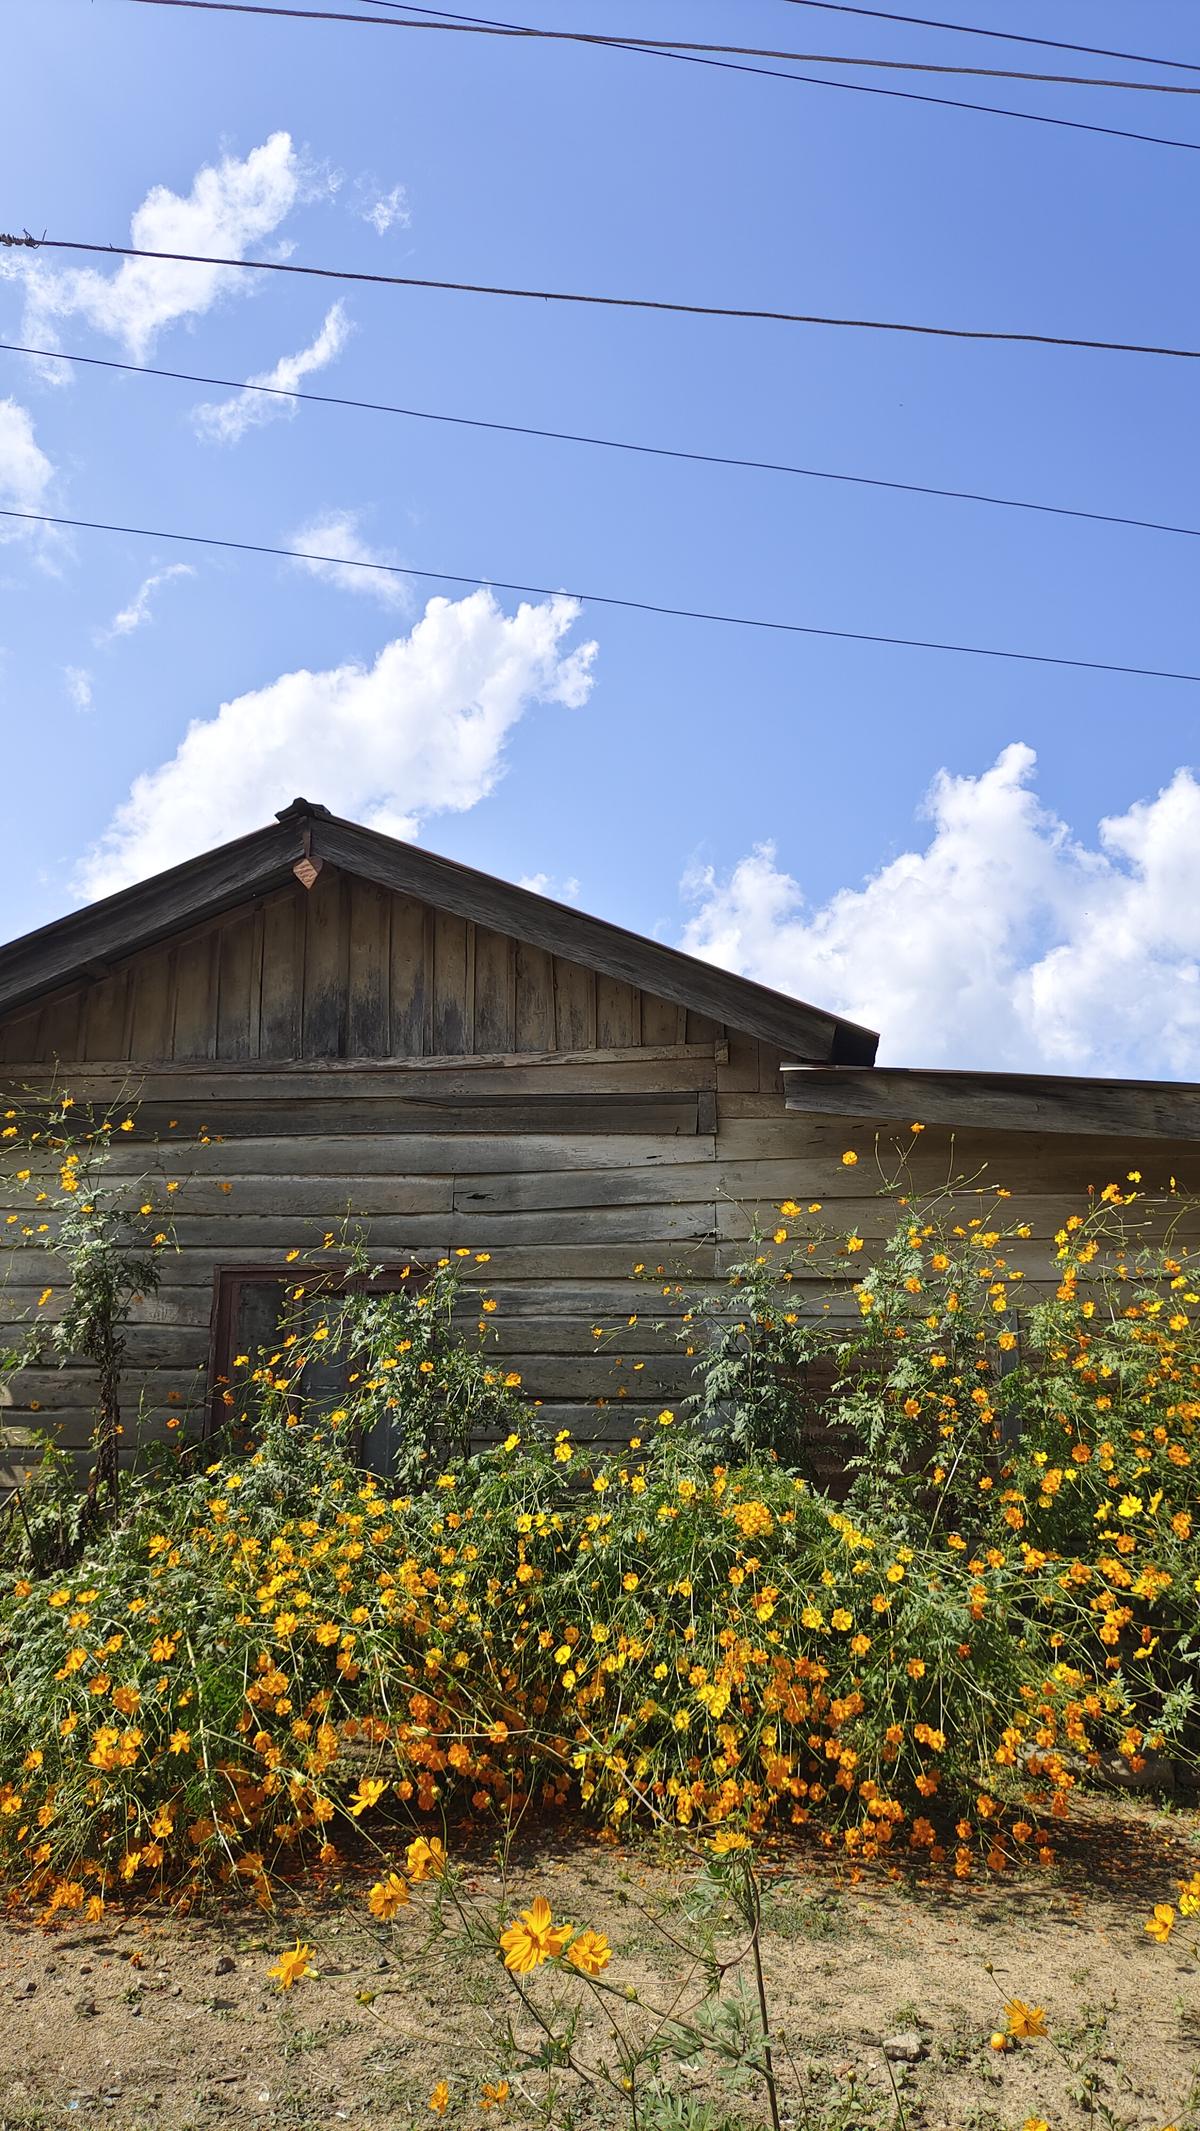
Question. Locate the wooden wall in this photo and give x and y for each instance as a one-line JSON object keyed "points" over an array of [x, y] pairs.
{"points": [[347, 1054], [568, 1172], [344, 970]]}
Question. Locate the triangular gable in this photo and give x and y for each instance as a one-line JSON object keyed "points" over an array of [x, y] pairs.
{"points": [[316, 937]]}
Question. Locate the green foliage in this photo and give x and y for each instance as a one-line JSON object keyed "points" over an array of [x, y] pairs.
{"points": [[274, 1647], [99, 1237], [44, 1518]]}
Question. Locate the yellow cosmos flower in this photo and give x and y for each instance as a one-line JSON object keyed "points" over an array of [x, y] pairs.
{"points": [[1162, 1923], [439, 2100], [293, 1965], [532, 1938], [369, 1793], [425, 1859], [849, 1158]]}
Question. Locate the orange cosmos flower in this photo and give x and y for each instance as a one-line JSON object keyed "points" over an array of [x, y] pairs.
{"points": [[1024, 2021], [590, 1952], [533, 1938], [386, 1896]]}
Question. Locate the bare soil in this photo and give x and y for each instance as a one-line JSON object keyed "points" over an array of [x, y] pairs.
{"points": [[155, 2022]]}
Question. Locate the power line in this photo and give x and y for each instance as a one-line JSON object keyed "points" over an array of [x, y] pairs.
{"points": [[599, 599], [736, 66], [972, 29], [671, 47], [618, 303], [570, 436]]}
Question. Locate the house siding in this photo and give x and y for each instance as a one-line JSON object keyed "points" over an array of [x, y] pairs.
{"points": [[351, 1057]]}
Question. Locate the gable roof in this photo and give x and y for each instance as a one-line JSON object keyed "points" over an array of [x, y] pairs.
{"points": [[88, 941]]}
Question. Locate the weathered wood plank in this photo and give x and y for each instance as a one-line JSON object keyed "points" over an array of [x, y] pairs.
{"points": [[282, 976], [410, 1154], [740, 1071], [105, 1016], [648, 1069], [411, 992], [633, 1184], [574, 1006], [368, 1030], [236, 953], [450, 986], [73, 1389], [241, 1235], [443, 1110], [59, 1026], [618, 1014], [151, 1034], [535, 999], [1004, 1102], [699, 1029], [662, 1020], [195, 1031], [516, 1261], [495, 991], [20, 1039], [326, 946]]}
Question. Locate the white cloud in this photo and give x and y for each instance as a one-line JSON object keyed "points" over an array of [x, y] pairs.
{"points": [[233, 205], [25, 471], [1005, 942], [226, 421], [564, 891], [420, 731], [79, 686], [336, 534], [384, 211], [132, 616]]}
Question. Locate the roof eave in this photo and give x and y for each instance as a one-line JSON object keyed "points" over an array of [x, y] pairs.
{"points": [[1004, 1102], [86, 941]]}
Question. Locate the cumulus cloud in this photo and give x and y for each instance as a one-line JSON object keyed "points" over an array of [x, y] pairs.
{"points": [[79, 686], [1004, 942], [420, 731], [226, 421], [233, 205], [25, 471], [131, 617], [386, 210], [336, 534]]}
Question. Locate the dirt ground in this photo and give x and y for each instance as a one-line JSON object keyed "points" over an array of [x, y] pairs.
{"points": [[151, 2022]]}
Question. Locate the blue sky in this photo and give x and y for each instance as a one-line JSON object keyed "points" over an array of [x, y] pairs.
{"points": [[1008, 929]]}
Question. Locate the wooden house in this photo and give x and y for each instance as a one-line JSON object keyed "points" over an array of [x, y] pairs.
{"points": [[318, 1023]]}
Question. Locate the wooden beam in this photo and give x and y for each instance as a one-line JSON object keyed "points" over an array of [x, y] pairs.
{"points": [[1002, 1102]]}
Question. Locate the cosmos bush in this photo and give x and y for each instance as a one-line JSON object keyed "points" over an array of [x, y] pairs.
{"points": [[275, 1653]]}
